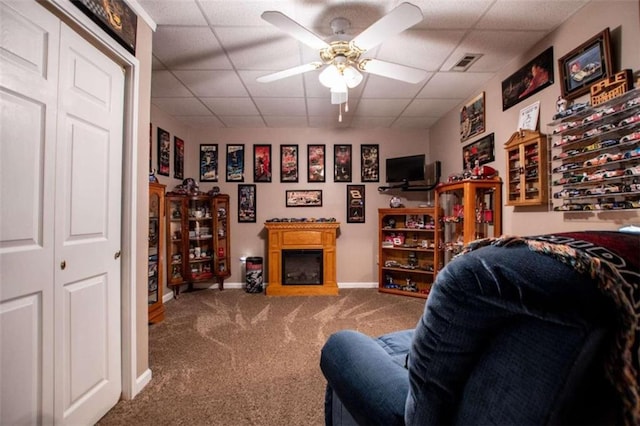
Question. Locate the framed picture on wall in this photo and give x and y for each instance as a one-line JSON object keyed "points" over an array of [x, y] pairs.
{"points": [[208, 162], [235, 163], [369, 163], [355, 204], [288, 163], [315, 163], [529, 117], [587, 63], [262, 163], [178, 158], [472, 118], [246, 203], [342, 163], [164, 152], [303, 198], [481, 151], [531, 78]]}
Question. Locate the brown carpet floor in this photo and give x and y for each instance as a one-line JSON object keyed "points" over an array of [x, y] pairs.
{"points": [[233, 358]]}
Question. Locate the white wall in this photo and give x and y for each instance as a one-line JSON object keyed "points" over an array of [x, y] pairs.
{"points": [[622, 17]]}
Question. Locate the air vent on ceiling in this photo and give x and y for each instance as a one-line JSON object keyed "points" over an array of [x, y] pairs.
{"points": [[467, 60]]}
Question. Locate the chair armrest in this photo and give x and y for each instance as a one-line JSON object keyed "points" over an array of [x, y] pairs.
{"points": [[365, 377]]}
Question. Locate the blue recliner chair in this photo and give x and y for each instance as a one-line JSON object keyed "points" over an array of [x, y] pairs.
{"points": [[517, 332]]}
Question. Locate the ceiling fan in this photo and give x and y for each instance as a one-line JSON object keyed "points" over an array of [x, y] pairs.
{"points": [[341, 58]]}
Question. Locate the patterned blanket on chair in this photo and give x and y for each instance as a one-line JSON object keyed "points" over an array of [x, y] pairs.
{"points": [[614, 259]]}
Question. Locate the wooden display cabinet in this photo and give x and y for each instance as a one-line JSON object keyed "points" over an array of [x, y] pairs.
{"points": [[156, 252], [407, 255], [198, 241], [526, 154], [469, 210]]}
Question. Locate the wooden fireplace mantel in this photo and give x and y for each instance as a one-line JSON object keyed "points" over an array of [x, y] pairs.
{"points": [[302, 236]]}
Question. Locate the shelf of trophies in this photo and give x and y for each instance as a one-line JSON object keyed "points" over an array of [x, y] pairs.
{"points": [[198, 242], [156, 252], [526, 180], [595, 156], [470, 210], [407, 250]]}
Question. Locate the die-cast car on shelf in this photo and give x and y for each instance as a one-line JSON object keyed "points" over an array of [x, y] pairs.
{"points": [[598, 130], [566, 167], [635, 152], [566, 154], [606, 188], [609, 142], [604, 158], [569, 207], [630, 137], [631, 187], [593, 147], [614, 173], [598, 175], [633, 204], [598, 115], [632, 171], [632, 102], [629, 120], [568, 193], [565, 126]]}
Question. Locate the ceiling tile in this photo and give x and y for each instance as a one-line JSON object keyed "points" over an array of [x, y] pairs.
{"points": [[381, 107], [200, 120], [287, 87], [173, 12], [252, 122], [166, 85], [281, 106], [414, 122], [241, 13], [231, 106], [528, 14], [454, 85], [180, 106], [448, 14], [189, 48], [286, 121], [381, 87], [212, 83]]}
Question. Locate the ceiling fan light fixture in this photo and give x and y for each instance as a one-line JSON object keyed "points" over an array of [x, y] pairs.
{"points": [[329, 76], [352, 77]]}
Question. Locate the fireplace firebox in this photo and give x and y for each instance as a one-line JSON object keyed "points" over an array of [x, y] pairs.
{"points": [[302, 267]]}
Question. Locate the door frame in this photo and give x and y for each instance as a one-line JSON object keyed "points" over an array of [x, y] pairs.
{"points": [[70, 14]]}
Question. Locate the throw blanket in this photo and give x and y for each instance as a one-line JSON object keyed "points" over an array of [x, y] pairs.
{"points": [[613, 258]]}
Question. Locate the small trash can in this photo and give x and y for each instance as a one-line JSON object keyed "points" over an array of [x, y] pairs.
{"points": [[254, 275]]}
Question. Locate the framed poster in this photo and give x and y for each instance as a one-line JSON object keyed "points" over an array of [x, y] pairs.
{"points": [[481, 151], [235, 163], [164, 154], [369, 163], [209, 163], [342, 163], [472, 118], [531, 78], [115, 17], [303, 198], [246, 203], [262, 163], [529, 117], [587, 63], [178, 158], [355, 203], [288, 163], [315, 163]]}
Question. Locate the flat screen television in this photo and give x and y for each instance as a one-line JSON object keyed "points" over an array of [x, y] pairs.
{"points": [[409, 169]]}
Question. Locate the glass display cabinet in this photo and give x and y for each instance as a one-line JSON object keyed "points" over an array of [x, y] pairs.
{"points": [[198, 243], [156, 252], [526, 154], [469, 210], [407, 250]]}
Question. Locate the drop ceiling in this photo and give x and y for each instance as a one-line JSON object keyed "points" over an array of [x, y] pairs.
{"points": [[207, 55]]}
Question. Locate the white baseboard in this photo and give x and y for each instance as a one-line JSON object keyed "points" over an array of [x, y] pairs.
{"points": [[358, 285], [143, 380]]}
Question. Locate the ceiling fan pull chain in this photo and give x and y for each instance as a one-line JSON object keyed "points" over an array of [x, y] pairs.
{"points": [[339, 113], [346, 106]]}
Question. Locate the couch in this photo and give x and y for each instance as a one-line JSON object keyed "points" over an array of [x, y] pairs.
{"points": [[516, 331]]}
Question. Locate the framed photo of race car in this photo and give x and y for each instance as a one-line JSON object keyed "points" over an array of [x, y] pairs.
{"points": [[586, 64]]}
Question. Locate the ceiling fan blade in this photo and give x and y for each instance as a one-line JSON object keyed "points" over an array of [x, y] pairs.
{"points": [[399, 19], [294, 29], [289, 72], [391, 70]]}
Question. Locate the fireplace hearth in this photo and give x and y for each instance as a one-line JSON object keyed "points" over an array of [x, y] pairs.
{"points": [[302, 258]]}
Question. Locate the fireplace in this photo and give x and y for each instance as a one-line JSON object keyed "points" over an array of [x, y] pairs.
{"points": [[302, 267], [301, 258]]}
